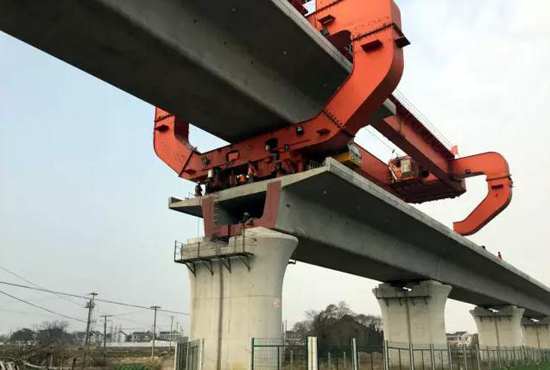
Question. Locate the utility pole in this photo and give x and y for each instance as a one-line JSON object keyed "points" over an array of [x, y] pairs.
{"points": [[171, 324], [154, 332], [90, 306], [105, 331]]}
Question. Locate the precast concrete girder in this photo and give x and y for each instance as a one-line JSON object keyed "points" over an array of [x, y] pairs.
{"points": [[346, 223], [234, 69]]}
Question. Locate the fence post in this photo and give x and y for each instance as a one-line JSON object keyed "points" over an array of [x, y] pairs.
{"points": [[251, 354], [386, 356], [507, 351], [450, 356], [411, 356], [345, 360], [187, 355], [201, 354], [353, 354], [464, 354], [312, 358], [291, 360], [478, 359], [278, 358], [176, 358], [432, 356], [329, 362]]}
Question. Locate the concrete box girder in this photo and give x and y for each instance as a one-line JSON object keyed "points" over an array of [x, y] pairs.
{"points": [[234, 69], [346, 223]]}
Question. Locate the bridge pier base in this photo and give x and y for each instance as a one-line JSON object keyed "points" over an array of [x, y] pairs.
{"points": [[537, 334], [236, 290], [414, 315], [500, 328]]}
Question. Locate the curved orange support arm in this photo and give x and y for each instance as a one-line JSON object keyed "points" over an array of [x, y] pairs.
{"points": [[499, 182], [171, 141], [374, 30]]}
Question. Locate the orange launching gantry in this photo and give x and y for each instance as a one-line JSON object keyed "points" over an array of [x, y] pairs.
{"points": [[368, 33]]}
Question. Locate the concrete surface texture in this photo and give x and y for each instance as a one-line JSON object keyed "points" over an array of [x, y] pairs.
{"points": [[346, 223], [228, 308], [536, 334], [414, 314], [500, 328], [234, 69]]}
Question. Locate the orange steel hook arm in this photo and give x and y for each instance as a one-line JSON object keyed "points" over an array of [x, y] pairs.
{"points": [[373, 28], [499, 182]]}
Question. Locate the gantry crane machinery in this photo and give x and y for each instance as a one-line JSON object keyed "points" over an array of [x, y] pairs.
{"points": [[370, 36], [285, 88]]}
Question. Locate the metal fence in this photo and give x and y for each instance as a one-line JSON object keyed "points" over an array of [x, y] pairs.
{"points": [[188, 355], [273, 354], [342, 358], [432, 357]]}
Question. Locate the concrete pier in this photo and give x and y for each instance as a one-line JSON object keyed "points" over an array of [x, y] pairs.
{"points": [[414, 313], [500, 328], [379, 237], [236, 290], [536, 333]]}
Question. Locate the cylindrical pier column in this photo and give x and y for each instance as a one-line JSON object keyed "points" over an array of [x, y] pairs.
{"points": [[236, 290]]}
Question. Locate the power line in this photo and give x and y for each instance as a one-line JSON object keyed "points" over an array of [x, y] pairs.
{"points": [[132, 321], [128, 313], [36, 285], [26, 313], [374, 135], [42, 308], [422, 118], [86, 298]]}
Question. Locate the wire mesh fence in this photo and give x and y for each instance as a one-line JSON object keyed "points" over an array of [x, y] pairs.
{"points": [[187, 356], [271, 354], [342, 358], [401, 356]]}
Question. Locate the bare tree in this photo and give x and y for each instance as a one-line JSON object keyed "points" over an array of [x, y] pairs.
{"points": [[370, 321], [318, 323], [24, 335], [53, 333]]}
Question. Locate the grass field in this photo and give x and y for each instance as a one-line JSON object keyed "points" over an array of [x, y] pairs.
{"points": [[545, 366]]}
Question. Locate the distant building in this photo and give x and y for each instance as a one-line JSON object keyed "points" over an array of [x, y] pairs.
{"points": [[176, 336], [461, 338], [341, 332], [141, 336], [79, 337]]}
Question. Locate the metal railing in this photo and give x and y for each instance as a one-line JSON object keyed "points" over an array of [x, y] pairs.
{"points": [[273, 354]]}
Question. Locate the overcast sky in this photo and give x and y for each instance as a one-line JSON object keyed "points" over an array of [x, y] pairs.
{"points": [[83, 197]]}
